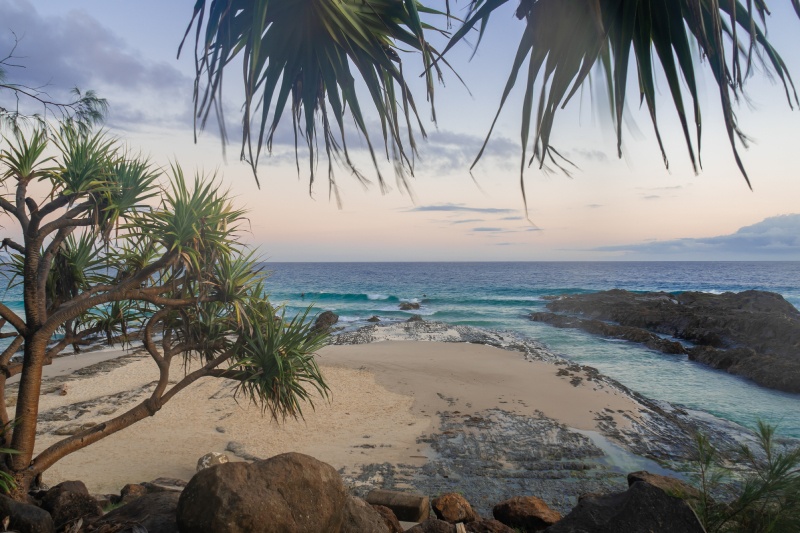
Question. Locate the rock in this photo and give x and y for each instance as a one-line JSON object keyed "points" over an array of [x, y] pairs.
{"points": [[670, 485], [415, 318], [154, 512], [69, 502], [132, 491], [25, 518], [433, 525], [325, 320], [488, 526], [164, 484], [210, 459], [409, 306], [643, 508], [406, 507], [754, 334], [360, 517], [453, 508], [110, 410], [288, 493], [389, 518], [527, 513], [374, 318]]}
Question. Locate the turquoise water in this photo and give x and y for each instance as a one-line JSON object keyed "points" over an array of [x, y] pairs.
{"points": [[502, 295]]}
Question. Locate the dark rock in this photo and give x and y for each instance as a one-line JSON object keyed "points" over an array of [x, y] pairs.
{"points": [[405, 506], [755, 334], [69, 502], [154, 512], [415, 318], [374, 318], [432, 525], [670, 485], [409, 306], [288, 493], [325, 320], [131, 492], [488, 526], [527, 513], [643, 508], [210, 459], [453, 508], [389, 518], [25, 518], [361, 517], [163, 484]]}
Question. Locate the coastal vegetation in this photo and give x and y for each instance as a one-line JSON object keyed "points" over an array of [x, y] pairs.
{"points": [[108, 245]]}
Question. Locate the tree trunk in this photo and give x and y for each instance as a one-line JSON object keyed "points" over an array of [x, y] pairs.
{"points": [[27, 412]]}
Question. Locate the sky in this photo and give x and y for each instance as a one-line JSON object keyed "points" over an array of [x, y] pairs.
{"points": [[609, 209]]}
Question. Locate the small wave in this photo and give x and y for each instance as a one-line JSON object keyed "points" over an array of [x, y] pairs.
{"points": [[378, 296], [347, 297]]}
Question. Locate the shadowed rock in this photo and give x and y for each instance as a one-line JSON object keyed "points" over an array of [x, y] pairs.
{"points": [[453, 508], [754, 334], [154, 512], [526, 513], [325, 321]]}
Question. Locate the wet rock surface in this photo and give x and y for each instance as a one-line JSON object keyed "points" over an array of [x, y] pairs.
{"points": [[755, 334]]}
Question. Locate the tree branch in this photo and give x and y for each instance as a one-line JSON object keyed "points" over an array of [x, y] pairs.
{"points": [[8, 243], [72, 339], [12, 318]]}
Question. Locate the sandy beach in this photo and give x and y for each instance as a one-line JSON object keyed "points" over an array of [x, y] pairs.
{"points": [[385, 396]]}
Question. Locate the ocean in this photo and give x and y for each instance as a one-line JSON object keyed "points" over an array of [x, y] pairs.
{"points": [[501, 296]]}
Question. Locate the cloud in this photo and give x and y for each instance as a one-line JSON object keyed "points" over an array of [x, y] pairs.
{"points": [[773, 238], [468, 220], [652, 197], [457, 208], [592, 155], [594, 206], [511, 218], [56, 53], [487, 229]]}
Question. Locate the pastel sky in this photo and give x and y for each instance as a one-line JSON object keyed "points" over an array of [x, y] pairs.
{"points": [[610, 209]]}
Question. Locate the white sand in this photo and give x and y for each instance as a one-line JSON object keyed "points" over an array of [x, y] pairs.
{"points": [[384, 394]]}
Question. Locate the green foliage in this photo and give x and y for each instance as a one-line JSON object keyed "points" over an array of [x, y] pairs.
{"points": [[759, 488], [309, 55], [116, 248]]}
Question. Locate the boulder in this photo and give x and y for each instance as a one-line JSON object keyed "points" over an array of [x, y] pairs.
{"points": [[374, 318], [288, 493], [670, 485], [325, 320], [210, 459], [360, 517], [130, 492], [433, 525], [154, 512], [406, 507], [409, 306], [25, 518], [389, 518], [69, 502], [453, 508], [415, 318], [643, 508], [527, 513], [488, 526], [163, 484], [754, 334]]}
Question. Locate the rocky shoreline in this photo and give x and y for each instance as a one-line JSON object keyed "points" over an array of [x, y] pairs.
{"points": [[754, 334]]}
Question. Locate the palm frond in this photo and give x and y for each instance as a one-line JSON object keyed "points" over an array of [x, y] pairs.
{"points": [[565, 39], [309, 55]]}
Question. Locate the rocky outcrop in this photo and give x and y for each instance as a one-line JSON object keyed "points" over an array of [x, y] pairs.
{"points": [[453, 508], [526, 513], [670, 485], [389, 518], [361, 517], [154, 512], [288, 493], [25, 518], [69, 502], [488, 526], [433, 525], [325, 321], [409, 306], [643, 508], [754, 334], [210, 459]]}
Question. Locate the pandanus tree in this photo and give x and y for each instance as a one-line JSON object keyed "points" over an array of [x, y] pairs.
{"points": [[305, 55], [112, 249]]}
